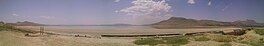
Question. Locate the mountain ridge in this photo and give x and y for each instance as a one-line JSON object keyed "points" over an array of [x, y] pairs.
{"points": [[25, 23], [178, 22]]}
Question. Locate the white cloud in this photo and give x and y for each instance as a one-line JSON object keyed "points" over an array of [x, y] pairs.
{"points": [[147, 11], [209, 3], [116, 0], [191, 1], [15, 14]]}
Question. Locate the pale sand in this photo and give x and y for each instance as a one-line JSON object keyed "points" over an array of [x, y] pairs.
{"points": [[9, 38]]}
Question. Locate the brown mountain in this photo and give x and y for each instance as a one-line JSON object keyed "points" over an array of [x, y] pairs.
{"points": [[25, 23], [178, 22]]}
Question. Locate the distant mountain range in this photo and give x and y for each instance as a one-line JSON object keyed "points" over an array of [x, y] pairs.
{"points": [[25, 23], [116, 25], [179, 22], [173, 22]]}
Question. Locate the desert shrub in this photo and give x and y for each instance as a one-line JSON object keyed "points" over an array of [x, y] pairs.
{"points": [[5, 27], [173, 41], [148, 41], [255, 42], [201, 38], [223, 38], [226, 44], [176, 40], [259, 31], [253, 39]]}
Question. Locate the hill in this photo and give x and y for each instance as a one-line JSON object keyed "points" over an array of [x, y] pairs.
{"points": [[25, 23], [179, 22]]}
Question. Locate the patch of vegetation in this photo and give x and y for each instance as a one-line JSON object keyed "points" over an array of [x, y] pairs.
{"points": [[176, 40], [8, 38], [173, 41], [226, 44], [259, 31], [223, 38], [5, 27], [148, 41], [201, 38], [253, 43], [253, 39]]}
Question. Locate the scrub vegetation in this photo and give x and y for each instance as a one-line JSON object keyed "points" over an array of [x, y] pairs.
{"points": [[259, 31], [251, 38], [5, 27], [174, 41]]}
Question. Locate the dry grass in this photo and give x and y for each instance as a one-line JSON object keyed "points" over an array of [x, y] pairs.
{"points": [[259, 31], [8, 38], [201, 38]]}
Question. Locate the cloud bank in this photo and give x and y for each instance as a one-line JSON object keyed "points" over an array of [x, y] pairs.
{"points": [[147, 11]]}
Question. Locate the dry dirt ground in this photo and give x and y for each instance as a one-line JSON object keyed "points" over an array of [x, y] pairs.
{"points": [[8, 38]]}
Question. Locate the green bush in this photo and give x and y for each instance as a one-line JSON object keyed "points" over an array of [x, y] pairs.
{"points": [[174, 41], [201, 38], [259, 31], [148, 41]]}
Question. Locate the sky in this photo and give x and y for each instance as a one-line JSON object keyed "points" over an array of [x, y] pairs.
{"points": [[94, 12]]}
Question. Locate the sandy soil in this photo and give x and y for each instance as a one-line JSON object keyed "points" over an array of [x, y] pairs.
{"points": [[9, 38]]}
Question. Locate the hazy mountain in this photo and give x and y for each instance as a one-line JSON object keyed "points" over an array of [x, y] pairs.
{"points": [[25, 23], [178, 22], [115, 25]]}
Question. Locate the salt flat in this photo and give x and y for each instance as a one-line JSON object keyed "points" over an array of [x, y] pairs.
{"points": [[97, 31]]}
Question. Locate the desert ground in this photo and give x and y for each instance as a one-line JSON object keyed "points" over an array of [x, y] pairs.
{"points": [[9, 38]]}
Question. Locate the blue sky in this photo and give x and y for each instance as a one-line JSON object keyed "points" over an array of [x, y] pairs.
{"points": [[91, 12]]}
